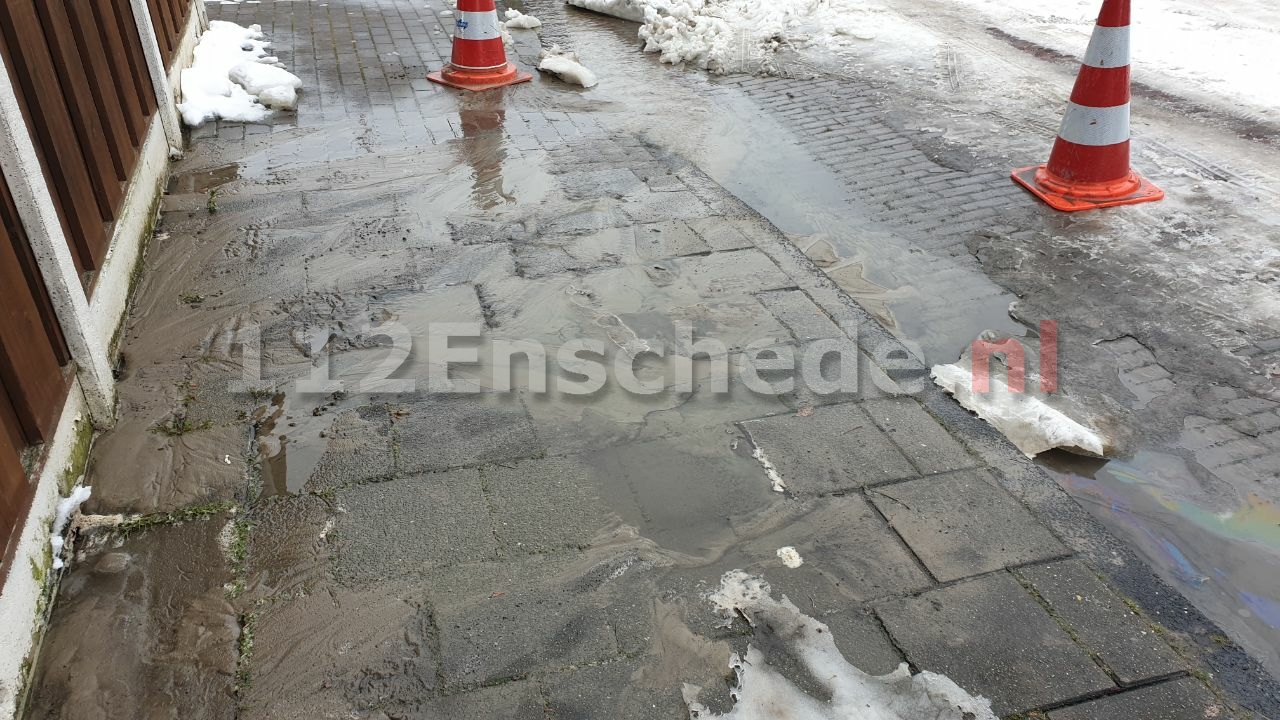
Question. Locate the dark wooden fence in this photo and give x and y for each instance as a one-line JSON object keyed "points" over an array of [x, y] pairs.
{"points": [[83, 84], [169, 18], [78, 69], [35, 371]]}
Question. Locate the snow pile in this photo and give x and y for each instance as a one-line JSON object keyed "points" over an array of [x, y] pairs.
{"points": [[566, 66], [741, 35], [519, 21], [67, 506], [632, 10], [232, 77], [762, 693], [1027, 420]]}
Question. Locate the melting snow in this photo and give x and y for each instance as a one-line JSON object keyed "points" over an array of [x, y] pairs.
{"points": [[1028, 422], [742, 35], [774, 478], [790, 557], [519, 21], [763, 693], [566, 66], [67, 506], [229, 75]]}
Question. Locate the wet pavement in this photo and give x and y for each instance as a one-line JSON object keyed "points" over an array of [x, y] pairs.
{"points": [[310, 549]]}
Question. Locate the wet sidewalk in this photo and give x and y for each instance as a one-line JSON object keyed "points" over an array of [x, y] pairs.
{"points": [[294, 549]]}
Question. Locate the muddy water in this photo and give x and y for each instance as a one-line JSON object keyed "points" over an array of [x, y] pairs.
{"points": [[1211, 545], [1215, 542]]}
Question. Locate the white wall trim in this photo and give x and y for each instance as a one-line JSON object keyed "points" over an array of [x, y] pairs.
{"points": [[168, 107], [20, 603], [25, 177]]}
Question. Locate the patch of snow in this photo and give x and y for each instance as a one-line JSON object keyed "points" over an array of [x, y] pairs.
{"points": [[256, 78], [632, 10], [280, 97], [743, 35], [67, 506], [774, 478], [1224, 50], [230, 70], [790, 557], [1028, 421], [762, 693], [519, 21], [566, 66]]}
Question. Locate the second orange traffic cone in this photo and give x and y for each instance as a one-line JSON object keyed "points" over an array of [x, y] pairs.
{"points": [[479, 61], [1089, 165]]}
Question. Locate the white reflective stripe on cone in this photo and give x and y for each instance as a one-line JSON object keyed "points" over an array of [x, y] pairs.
{"points": [[456, 66], [1108, 48], [1095, 126], [477, 26]]}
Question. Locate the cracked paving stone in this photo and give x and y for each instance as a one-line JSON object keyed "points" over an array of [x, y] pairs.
{"points": [[835, 448], [394, 528], [842, 540], [702, 468], [722, 233], [993, 639], [963, 524], [440, 432], [800, 314], [544, 505], [1183, 699], [358, 449], [734, 272], [502, 621], [926, 443], [1130, 648]]}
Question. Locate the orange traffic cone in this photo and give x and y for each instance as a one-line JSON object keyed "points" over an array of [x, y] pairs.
{"points": [[1089, 165], [479, 61]]}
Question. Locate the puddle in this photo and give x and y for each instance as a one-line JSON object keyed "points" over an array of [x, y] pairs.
{"points": [[204, 180], [1219, 547], [883, 271]]}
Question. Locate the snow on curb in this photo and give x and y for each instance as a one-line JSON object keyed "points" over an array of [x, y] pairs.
{"points": [[519, 21], [566, 66], [761, 690], [1029, 422], [67, 507], [234, 78]]}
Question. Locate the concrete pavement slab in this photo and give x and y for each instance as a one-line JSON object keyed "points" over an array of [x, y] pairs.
{"points": [[837, 447], [963, 524], [437, 432], [926, 444], [1183, 699], [1130, 648], [993, 639], [396, 528]]}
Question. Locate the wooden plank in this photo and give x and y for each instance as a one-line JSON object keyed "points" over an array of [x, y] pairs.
{"points": [[139, 74], [164, 31], [11, 223], [113, 45], [39, 92], [16, 493], [29, 368], [112, 105], [92, 137]]}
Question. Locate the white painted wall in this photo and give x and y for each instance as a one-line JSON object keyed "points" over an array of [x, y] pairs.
{"points": [[21, 596]]}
